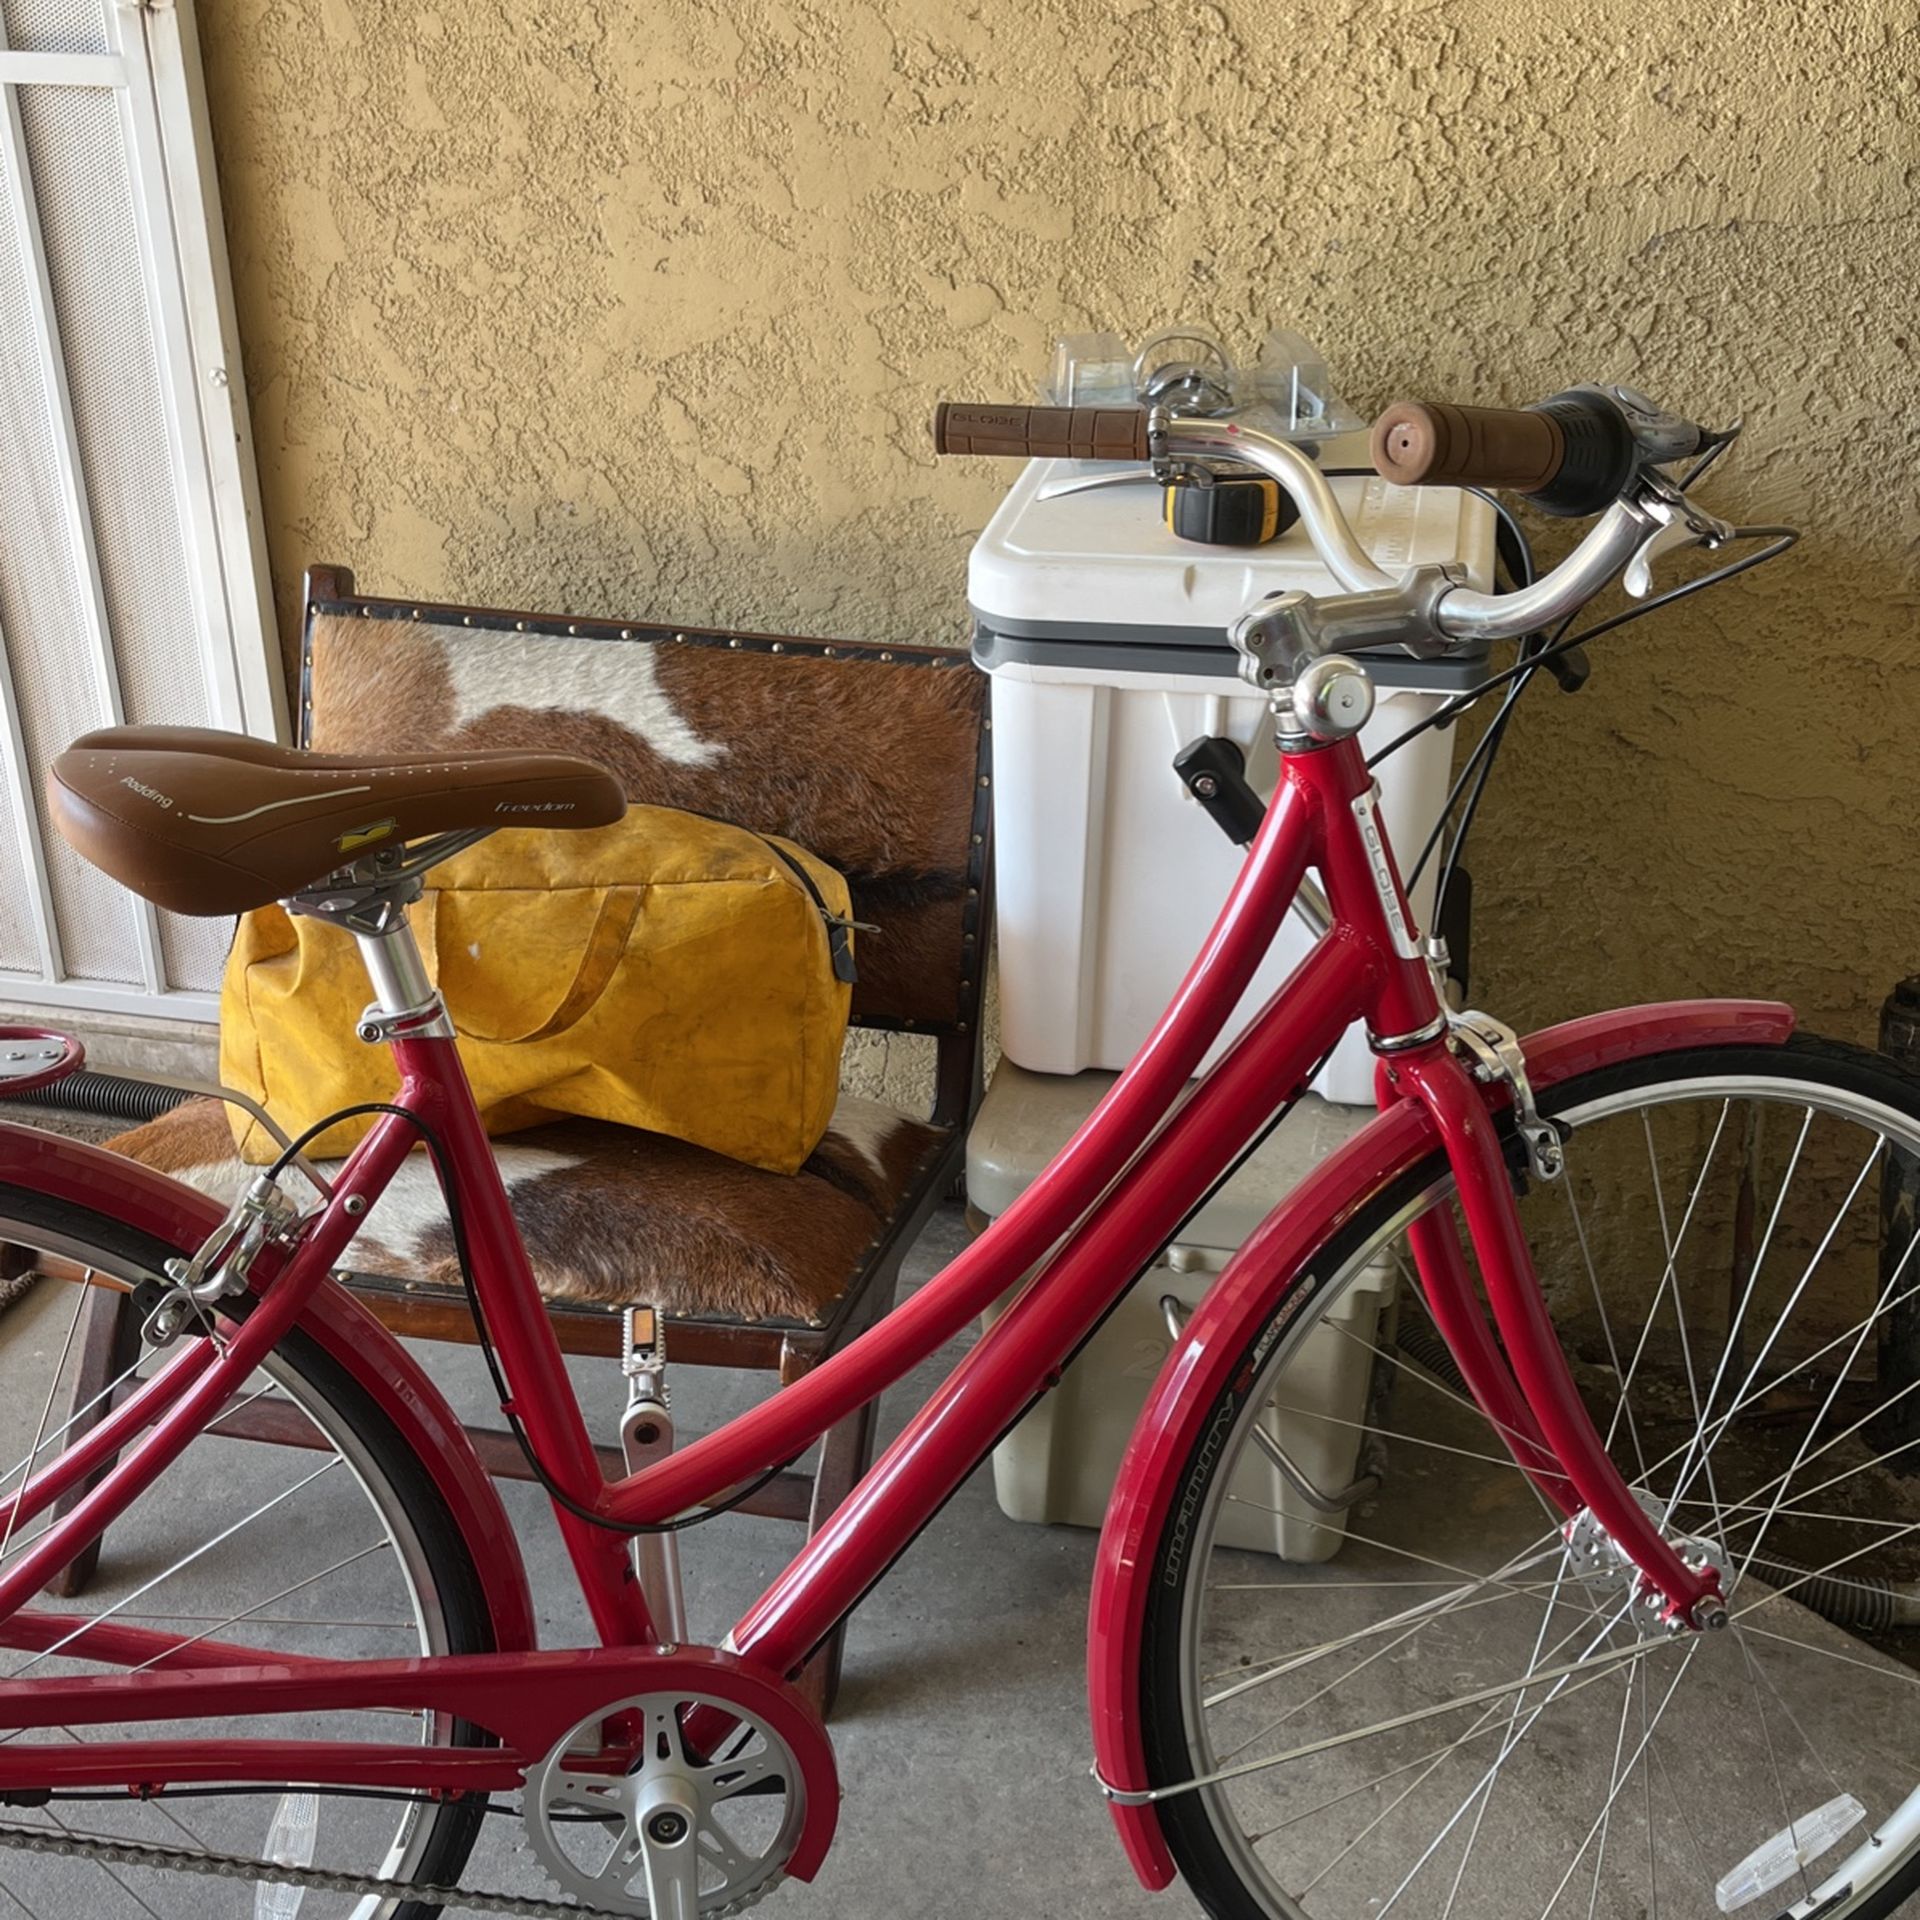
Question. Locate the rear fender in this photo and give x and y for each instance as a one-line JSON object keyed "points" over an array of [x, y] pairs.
{"points": [[345, 1331], [1245, 1298]]}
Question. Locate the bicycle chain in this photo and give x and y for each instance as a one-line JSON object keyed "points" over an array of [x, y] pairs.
{"points": [[232, 1866]]}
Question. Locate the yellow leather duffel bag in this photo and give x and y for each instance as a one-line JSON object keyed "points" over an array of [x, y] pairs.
{"points": [[669, 972]]}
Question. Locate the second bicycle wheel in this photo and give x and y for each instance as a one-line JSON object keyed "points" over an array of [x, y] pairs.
{"points": [[1466, 1713], [334, 1542]]}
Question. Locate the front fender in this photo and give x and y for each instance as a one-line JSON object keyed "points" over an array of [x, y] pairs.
{"points": [[182, 1217], [1243, 1299]]}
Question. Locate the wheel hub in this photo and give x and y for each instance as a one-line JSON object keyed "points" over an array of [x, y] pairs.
{"points": [[629, 1814], [1596, 1559]]}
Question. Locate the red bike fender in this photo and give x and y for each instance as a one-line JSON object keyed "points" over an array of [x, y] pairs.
{"points": [[350, 1336], [1243, 1299]]}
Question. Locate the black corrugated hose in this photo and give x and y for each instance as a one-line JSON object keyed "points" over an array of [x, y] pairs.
{"points": [[107, 1094]]}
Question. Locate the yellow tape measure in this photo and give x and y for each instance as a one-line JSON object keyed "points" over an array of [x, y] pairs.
{"points": [[1237, 510]]}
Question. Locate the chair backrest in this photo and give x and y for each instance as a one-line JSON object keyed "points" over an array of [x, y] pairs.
{"points": [[875, 758]]}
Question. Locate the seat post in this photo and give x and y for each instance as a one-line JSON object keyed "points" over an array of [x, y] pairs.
{"points": [[395, 968]]}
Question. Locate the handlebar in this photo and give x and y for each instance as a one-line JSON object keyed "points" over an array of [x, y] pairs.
{"points": [[1584, 450]]}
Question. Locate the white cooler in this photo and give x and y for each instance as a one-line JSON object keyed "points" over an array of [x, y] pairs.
{"points": [[1059, 1463], [1105, 637]]}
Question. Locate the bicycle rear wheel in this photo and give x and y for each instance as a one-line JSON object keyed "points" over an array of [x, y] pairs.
{"points": [[336, 1543], [1477, 1718]]}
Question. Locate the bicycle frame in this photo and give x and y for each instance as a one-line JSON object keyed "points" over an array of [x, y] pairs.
{"points": [[1114, 1196]]}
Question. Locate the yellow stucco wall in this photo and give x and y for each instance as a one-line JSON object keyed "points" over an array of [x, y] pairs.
{"points": [[640, 306]]}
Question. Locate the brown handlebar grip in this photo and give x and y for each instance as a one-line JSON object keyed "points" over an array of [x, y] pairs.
{"points": [[1418, 444], [1042, 433]]}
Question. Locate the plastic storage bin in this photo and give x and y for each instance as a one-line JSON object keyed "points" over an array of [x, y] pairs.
{"points": [[1059, 1463], [1105, 637]]}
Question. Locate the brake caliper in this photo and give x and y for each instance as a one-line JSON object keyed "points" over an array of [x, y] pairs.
{"points": [[1496, 1055], [263, 1214]]}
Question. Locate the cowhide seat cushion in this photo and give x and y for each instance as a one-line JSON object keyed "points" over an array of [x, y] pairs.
{"points": [[613, 1217]]}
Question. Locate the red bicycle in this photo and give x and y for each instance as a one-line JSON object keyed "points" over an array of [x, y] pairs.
{"points": [[1621, 1692]]}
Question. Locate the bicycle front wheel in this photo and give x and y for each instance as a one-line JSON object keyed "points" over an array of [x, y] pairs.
{"points": [[333, 1542], [1470, 1711]]}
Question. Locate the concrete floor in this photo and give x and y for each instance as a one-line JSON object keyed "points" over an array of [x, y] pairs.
{"points": [[961, 1730]]}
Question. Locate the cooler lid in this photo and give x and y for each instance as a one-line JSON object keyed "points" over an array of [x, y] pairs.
{"points": [[1091, 579]]}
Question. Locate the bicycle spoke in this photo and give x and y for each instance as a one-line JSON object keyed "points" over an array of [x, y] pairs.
{"points": [[1793, 1719], [1292, 1662], [249, 1613], [1900, 1677], [46, 1409], [1461, 1605], [1606, 1324], [1679, 1292], [1513, 1712], [23, 1465], [1417, 1373], [110, 1871], [1389, 1433], [1652, 1726], [27, 1539], [186, 1560], [1759, 1262], [1613, 1781], [1667, 1277], [1800, 1286], [1819, 1421], [1509, 1745], [1773, 1759]]}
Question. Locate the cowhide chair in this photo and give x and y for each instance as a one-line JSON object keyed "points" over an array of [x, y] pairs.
{"points": [[876, 758]]}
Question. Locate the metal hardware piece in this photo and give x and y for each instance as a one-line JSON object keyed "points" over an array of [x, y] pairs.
{"points": [[371, 896], [428, 1021], [1495, 1048], [1295, 648], [1172, 438], [1087, 483], [1185, 384], [1332, 697], [670, 1857], [220, 1268], [1679, 522], [1596, 1558], [1592, 566], [646, 1435], [1407, 1042]]}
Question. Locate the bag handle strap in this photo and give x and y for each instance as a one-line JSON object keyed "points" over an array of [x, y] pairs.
{"points": [[599, 960]]}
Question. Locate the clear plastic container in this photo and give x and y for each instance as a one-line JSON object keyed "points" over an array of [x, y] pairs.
{"points": [[1287, 388]]}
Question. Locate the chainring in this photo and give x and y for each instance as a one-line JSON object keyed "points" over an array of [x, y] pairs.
{"points": [[657, 1828]]}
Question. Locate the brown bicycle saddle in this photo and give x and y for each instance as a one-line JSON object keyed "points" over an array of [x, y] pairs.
{"points": [[204, 822]]}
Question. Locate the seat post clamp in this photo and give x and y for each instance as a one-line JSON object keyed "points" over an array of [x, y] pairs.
{"points": [[428, 1021]]}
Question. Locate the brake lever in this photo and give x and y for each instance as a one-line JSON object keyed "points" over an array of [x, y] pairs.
{"points": [[1682, 523]]}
